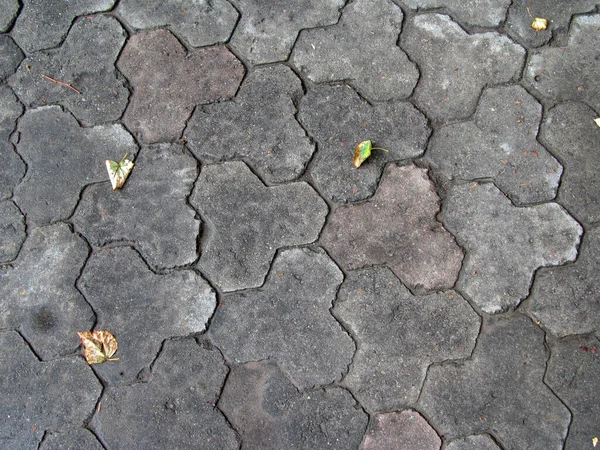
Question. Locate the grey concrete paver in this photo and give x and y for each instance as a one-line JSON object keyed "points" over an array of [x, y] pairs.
{"points": [[482, 13], [12, 168], [10, 56], [12, 231], [76, 438], [8, 13], [477, 442], [404, 430]]}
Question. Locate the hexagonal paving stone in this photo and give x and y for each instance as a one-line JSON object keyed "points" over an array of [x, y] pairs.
{"points": [[269, 413], [174, 408], [399, 335], [482, 13], [500, 143], [267, 31], [339, 119], [12, 231], [258, 126], [168, 82], [288, 320], [71, 439], [10, 56], [8, 13], [398, 228], [150, 211], [505, 244], [142, 308], [38, 294], [406, 430], [455, 66], [369, 59], [501, 389], [478, 442], [198, 22], [12, 168], [250, 222], [87, 68]]}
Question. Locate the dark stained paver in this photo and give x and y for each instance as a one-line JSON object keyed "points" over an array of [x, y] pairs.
{"points": [[483, 13], [12, 168], [12, 231], [406, 430], [478, 442], [8, 13], [76, 438], [10, 56]]}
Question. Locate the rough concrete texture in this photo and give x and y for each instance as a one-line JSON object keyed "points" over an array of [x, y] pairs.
{"points": [[339, 120], [406, 430], [150, 211], [398, 228], [499, 143], [102, 96], [240, 247], [61, 159], [12, 231], [8, 13], [37, 396], [505, 244], [10, 56], [267, 30], [287, 320], [38, 294], [269, 413], [76, 438], [500, 390], [168, 82], [482, 13], [174, 408], [142, 308], [366, 56], [199, 22], [478, 442], [456, 66], [259, 126], [12, 168], [399, 335]]}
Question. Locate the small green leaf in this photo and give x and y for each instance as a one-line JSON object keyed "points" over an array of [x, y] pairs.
{"points": [[363, 151]]}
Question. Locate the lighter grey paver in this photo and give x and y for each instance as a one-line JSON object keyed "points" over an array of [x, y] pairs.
{"points": [[141, 308], [505, 244], [455, 66], [478, 442], [483, 13], [406, 430], [288, 320], [258, 126], [8, 12], [500, 143], [10, 56], [339, 119], [367, 56], [12, 231], [399, 335], [150, 210], [76, 438], [500, 389], [250, 222], [12, 168]]}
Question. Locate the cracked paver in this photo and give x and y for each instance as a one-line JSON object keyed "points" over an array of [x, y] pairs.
{"points": [[478, 13], [10, 56], [71, 439], [478, 442], [12, 231], [12, 169], [404, 430], [8, 13]]}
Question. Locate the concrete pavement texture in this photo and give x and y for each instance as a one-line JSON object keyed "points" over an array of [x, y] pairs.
{"points": [[264, 292]]}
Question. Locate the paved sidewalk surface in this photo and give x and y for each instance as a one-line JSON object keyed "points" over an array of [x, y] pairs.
{"points": [[264, 293]]}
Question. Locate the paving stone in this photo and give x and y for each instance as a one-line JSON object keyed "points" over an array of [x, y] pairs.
{"points": [[168, 82], [267, 31], [500, 389], [250, 222], [38, 294], [574, 375], [150, 211], [175, 408], [499, 144], [12, 169], [398, 228], [269, 413], [399, 335], [60, 165], [478, 442], [339, 119], [482, 13], [88, 68], [288, 320], [39, 396], [505, 244], [8, 13], [12, 231], [367, 56], [570, 133], [259, 126], [142, 308], [560, 74], [71, 439], [456, 66], [10, 56], [199, 22], [404, 430]]}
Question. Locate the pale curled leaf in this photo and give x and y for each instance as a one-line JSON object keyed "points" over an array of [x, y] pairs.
{"points": [[539, 24], [597, 120], [99, 346], [118, 171]]}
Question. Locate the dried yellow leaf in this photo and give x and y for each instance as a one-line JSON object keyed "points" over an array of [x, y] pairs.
{"points": [[98, 346], [539, 24]]}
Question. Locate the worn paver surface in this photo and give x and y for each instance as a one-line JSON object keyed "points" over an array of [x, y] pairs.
{"points": [[264, 292]]}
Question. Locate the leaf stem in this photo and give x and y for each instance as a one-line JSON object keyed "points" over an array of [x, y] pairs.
{"points": [[378, 148]]}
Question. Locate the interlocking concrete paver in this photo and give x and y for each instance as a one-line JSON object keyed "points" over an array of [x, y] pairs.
{"points": [[398, 228], [456, 66], [269, 413], [91, 71], [142, 308], [499, 143], [10, 56], [150, 210], [399, 335], [339, 119], [288, 320], [406, 430], [367, 56], [482, 13], [168, 82], [505, 244], [77, 438], [258, 126], [8, 13], [250, 222], [478, 442], [12, 231], [500, 389], [12, 168]]}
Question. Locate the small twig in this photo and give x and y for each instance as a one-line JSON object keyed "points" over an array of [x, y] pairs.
{"points": [[62, 83]]}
